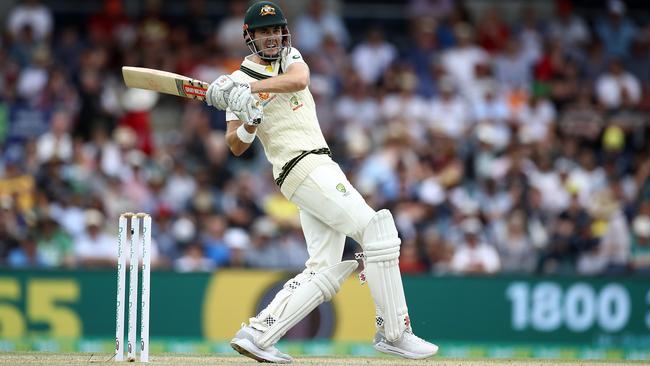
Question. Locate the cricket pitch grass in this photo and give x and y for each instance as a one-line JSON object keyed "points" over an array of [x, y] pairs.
{"points": [[86, 359]]}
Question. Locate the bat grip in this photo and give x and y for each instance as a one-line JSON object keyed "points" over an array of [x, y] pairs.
{"points": [[257, 118]]}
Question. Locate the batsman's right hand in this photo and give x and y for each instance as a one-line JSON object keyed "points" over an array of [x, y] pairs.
{"points": [[217, 93], [250, 113]]}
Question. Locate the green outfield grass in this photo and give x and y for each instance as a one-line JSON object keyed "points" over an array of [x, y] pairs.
{"points": [[85, 359]]}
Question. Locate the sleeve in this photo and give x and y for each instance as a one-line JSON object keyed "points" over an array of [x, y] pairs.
{"points": [[293, 57]]}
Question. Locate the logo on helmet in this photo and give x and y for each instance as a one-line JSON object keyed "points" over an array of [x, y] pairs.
{"points": [[267, 10]]}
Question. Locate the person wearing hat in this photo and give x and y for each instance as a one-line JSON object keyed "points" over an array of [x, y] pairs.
{"points": [[474, 256], [95, 248], [274, 79]]}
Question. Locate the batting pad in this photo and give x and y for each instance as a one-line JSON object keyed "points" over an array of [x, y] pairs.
{"points": [[381, 247], [299, 297]]}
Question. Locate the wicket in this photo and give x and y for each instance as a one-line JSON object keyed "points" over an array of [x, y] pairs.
{"points": [[139, 238]]}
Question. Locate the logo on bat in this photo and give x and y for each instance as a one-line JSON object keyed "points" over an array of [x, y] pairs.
{"points": [[194, 91]]}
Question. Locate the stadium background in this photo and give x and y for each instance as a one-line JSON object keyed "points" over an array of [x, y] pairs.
{"points": [[509, 138]]}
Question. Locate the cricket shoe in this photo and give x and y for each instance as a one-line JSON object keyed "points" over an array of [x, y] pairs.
{"points": [[408, 345], [244, 343]]}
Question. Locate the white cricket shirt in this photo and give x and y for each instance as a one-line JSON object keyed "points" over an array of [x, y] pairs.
{"points": [[290, 124]]}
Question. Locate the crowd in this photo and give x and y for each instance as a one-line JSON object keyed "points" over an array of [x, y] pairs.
{"points": [[499, 145]]}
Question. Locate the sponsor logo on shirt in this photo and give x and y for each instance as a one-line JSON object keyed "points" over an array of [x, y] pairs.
{"points": [[295, 103], [263, 96], [341, 188]]}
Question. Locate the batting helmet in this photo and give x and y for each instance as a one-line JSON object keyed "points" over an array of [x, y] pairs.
{"points": [[265, 14]]}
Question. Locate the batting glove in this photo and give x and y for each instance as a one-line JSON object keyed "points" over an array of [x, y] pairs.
{"points": [[217, 93], [252, 114], [244, 105]]}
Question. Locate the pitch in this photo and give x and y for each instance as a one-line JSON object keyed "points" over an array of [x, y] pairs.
{"points": [[85, 359]]}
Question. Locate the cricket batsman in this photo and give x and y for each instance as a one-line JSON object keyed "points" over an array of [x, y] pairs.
{"points": [[275, 79]]}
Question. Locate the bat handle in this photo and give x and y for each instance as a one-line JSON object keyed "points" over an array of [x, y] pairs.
{"points": [[257, 118]]}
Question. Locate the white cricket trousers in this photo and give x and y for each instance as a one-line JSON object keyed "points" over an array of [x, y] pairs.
{"points": [[330, 210]]}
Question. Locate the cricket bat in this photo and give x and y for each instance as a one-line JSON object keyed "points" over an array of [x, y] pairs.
{"points": [[164, 82], [169, 83]]}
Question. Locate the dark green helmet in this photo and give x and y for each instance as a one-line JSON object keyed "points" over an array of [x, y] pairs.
{"points": [[265, 14]]}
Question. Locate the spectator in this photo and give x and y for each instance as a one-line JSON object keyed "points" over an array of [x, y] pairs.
{"points": [[536, 119], [57, 143], [95, 248], [438, 254], [512, 68], [165, 240], [111, 25], [588, 177], [530, 34], [638, 64], [213, 241], [34, 77], [238, 242], [618, 88], [32, 14], [560, 254], [421, 53], [9, 229], [264, 251], [405, 106], [492, 32], [26, 255], [180, 186], [410, 260], [640, 253], [294, 253], [373, 56], [492, 115], [569, 28], [461, 61], [193, 260], [515, 248], [474, 256], [616, 31], [202, 21], [438, 8], [315, 24], [229, 33], [612, 252], [356, 106], [449, 114], [54, 247], [543, 176]]}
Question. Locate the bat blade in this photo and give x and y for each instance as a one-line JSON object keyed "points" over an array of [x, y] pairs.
{"points": [[164, 82]]}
